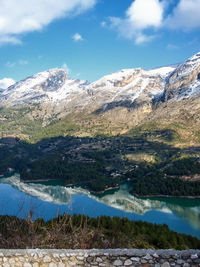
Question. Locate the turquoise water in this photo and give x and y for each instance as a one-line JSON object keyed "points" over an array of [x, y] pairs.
{"points": [[46, 201]]}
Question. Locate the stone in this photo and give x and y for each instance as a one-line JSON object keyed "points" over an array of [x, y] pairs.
{"points": [[80, 258], [6, 265], [136, 259], [128, 263], [180, 261], [143, 261], [186, 265], [26, 264], [117, 263], [165, 264], [98, 259], [194, 256], [72, 263], [60, 264], [148, 257], [35, 264], [47, 259], [176, 256], [11, 261], [157, 265], [52, 264], [56, 255]]}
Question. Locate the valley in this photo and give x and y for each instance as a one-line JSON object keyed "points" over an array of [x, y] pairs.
{"points": [[138, 126]]}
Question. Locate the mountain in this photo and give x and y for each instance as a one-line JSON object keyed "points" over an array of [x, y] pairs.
{"points": [[138, 125], [54, 86], [112, 105]]}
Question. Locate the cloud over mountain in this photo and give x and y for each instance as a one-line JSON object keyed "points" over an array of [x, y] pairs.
{"points": [[144, 18]]}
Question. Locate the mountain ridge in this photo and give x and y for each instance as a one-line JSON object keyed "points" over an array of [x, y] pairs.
{"points": [[111, 105]]}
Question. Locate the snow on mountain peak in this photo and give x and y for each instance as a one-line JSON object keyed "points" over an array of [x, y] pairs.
{"points": [[54, 85]]}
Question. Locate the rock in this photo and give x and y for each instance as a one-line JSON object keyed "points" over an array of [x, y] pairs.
{"points": [[194, 256], [11, 261], [165, 264], [118, 263], [47, 259], [136, 259], [98, 259], [127, 262], [80, 258], [180, 261], [148, 257], [143, 261]]}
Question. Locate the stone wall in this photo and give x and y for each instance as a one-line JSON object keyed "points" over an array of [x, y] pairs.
{"points": [[99, 258]]}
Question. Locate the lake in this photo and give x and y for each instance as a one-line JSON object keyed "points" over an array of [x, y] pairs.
{"points": [[47, 201]]}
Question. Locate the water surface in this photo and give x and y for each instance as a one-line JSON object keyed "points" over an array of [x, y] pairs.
{"points": [[47, 201]]}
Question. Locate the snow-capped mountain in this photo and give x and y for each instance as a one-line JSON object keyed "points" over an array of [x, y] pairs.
{"points": [[184, 81], [54, 86], [126, 88], [48, 86]]}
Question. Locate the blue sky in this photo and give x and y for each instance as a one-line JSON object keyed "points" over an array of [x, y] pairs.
{"points": [[92, 38]]}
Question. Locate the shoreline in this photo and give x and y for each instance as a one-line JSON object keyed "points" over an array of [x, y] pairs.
{"points": [[72, 185], [167, 196], [110, 189]]}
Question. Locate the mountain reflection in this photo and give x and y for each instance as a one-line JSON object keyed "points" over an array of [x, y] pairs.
{"points": [[187, 209]]}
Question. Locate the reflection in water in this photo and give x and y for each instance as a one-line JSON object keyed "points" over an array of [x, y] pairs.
{"points": [[186, 209], [54, 194]]}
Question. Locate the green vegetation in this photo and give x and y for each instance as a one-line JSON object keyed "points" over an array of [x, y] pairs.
{"points": [[78, 231], [164, 179], [153, 157], [101, 163], [89, 174]]}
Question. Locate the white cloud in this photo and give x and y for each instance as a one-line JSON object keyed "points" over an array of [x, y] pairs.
{"points": [[144, 17], [10, 64], [185, 15], [77, 37], [9, 40], [145, 13], [22, 16], [6, 82], [140, 16], [142, 38], [103, 24], [23, 62], [65, 67], [172, 47]]}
